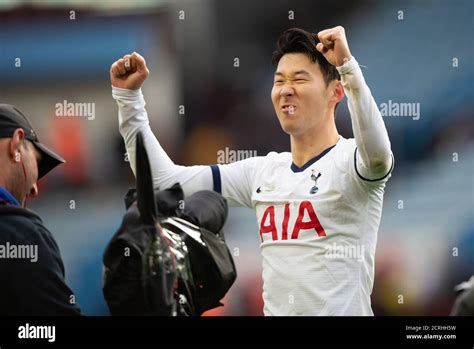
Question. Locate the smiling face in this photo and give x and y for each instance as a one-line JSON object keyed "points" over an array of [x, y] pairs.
{"points": [[301, 99]]}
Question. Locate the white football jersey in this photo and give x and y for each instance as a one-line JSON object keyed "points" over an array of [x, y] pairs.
{"points": [[318, 226]]}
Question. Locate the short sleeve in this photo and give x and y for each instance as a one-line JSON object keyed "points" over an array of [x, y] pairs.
{"points": [[346, 162], [235, 180], [382, 179]]}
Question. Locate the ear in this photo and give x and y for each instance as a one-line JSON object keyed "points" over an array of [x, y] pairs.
{"points": [[17, 138], [338, 91], [145, 193]]}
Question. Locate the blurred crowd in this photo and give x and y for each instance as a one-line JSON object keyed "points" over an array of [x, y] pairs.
{"points": [[209, 90]]}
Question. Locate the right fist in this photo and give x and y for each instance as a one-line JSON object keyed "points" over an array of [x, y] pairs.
{"points": [[129, 72]]}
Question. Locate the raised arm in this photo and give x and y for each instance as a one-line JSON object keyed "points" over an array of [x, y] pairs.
{"points": [[374, 157], [127, 75], [233, 181]]}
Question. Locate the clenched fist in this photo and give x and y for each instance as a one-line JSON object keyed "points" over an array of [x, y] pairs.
{"points": [[333, 45], [129, 72]]}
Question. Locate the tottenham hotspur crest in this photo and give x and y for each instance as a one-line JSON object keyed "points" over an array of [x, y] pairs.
{"points": [[314, 188]]}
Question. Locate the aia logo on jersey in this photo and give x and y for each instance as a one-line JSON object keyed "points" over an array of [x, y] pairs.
{"points": [[268, 225]]}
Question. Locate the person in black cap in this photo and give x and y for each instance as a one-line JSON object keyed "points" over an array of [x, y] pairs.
{"points": [[31, 268]]}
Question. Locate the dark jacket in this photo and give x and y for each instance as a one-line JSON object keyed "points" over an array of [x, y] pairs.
{"points": [[29, 287]]}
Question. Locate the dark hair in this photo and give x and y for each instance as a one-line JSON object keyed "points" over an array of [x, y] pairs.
{"points": [[297, 40]]}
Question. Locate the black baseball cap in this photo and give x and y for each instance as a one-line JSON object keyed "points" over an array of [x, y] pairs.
{"points": [[12, 118]]}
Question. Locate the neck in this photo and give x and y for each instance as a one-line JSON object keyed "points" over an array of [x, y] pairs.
{"points": [[306, 146], [7, 182], [7, 195], [4, 183]]}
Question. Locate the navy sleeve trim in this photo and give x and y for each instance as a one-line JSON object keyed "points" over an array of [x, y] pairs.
{"points": [[371, 180], [216, 178]]}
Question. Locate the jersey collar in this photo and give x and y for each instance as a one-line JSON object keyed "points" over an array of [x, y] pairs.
{"points": [[297, 169]]}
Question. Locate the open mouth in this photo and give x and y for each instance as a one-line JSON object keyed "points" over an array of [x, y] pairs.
{"points": [[288, 108]]}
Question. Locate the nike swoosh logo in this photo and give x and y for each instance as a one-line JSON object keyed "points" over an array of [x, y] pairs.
{"points": [[262, 189]]}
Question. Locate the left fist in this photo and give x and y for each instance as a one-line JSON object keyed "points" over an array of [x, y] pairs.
{"points": [[333, 45]]}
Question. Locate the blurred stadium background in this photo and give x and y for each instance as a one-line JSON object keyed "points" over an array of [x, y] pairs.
{"points": [[51, 51]]}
